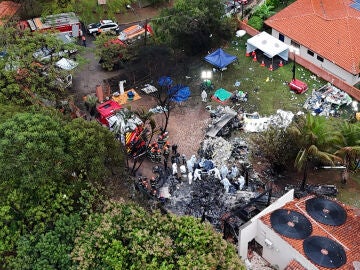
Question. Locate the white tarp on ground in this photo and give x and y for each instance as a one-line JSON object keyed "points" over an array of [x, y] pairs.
{"points": [[268, 44], [66, 64], [254, 123]]}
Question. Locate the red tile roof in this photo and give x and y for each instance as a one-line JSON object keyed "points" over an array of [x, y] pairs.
{"points": [[295, 265], [346, 234], [328, 27], [7, 10]]}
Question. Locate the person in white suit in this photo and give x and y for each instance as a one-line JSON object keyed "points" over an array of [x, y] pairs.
{"points": [[204, 96]]}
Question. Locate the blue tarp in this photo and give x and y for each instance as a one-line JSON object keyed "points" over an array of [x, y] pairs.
{"points": [[220, 58], [165, 81], [179, 93]]}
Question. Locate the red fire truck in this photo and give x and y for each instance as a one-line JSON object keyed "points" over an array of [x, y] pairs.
{"points": [[64, 22]]}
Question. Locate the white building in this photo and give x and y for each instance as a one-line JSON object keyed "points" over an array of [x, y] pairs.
{"points": [[325, 32], [307, 233]]}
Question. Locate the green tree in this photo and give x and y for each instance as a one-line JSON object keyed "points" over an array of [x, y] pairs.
{"points": [[50, 250], [125, 236], [49, 168], [93, 150], [23, 79], [317, 138], [350, 148], [91, 12], [264, 11], [111, 52], [278, 146], [194, 26], [256, 22]]}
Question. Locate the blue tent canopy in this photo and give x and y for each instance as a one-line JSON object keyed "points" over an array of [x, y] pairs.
{"points": [[179, 93], [165, 81], [220, 58]]}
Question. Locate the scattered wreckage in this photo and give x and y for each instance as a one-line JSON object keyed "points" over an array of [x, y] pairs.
{"points": [[327, 100], [224, 119], [319, 190], [219, 185], [206, 195]]}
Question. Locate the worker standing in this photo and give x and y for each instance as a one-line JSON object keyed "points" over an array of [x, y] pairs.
{"points": [[83, 38]]}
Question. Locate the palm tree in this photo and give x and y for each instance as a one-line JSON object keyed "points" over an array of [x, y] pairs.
{"points": [[316, 138], [350, 150]]}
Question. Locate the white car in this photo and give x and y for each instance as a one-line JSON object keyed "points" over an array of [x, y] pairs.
{"points": [[103, 26]]}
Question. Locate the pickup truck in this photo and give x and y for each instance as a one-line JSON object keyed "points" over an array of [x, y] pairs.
{"points": [[134, 32]]}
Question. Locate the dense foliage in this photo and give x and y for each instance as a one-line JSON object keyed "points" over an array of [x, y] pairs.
{"points": [[87, 8], [49, 168], [111, 52], [127, 237], [23, 78], [194, 26], [312, 140]]}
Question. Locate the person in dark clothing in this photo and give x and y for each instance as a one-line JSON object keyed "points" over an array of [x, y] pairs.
{"points": [[83, 38], [165, 164], [183, 159], [174, 149]]}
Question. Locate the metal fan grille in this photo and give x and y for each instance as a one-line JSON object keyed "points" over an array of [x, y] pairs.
{"points": [[326, 211], [324, 252], [290, 223]]}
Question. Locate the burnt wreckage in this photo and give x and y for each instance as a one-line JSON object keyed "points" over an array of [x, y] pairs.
{"points": [[207, 189], [206, 198]]}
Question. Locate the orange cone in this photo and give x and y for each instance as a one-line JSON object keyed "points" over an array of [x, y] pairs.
{"points": [[247, 54], [262, 63], [271, 68], [255, 59], [253, 53], [281, 64]]}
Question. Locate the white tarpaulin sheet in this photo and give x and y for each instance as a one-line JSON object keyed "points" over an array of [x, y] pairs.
{"points": [[66, 64], [269, 45]]}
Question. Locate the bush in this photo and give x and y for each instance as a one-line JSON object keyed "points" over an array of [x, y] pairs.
{"points": [[125, 236], [274, 3], [256, 22]]}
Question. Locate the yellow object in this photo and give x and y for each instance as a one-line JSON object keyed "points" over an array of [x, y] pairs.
{"points": [[123, 98], [357, 116], [267, 79]]}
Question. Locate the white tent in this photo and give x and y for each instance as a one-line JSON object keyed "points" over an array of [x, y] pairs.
{"points": [[269, 45]]}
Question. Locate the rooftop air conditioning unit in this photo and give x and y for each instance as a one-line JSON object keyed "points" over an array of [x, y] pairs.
{"points": [[268, 243]]}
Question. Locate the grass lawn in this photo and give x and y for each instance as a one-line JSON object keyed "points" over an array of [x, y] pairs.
{"points": [[350, 193], [268, 90]]}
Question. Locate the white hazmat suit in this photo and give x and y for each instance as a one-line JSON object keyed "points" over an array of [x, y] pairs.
{"points": [[204, 96], [226, 184]]}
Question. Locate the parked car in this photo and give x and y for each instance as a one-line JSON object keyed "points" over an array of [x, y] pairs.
{"points": [[103, 26]]}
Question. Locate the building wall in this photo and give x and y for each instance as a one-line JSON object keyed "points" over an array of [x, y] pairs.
{"points": [[277, 251], [317, 70], [323, 63], [249, 230]]}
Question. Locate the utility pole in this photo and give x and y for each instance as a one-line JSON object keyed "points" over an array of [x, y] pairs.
{"points": [[294, 68]]}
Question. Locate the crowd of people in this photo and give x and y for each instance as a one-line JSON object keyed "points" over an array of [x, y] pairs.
{"points": [[189, 170]]}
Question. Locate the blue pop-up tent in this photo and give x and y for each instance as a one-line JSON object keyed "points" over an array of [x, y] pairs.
{"points": [[220, 58], [179, 93], [165, 81]]}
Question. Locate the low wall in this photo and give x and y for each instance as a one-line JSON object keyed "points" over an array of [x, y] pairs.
{"points": [[351, 90]]}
